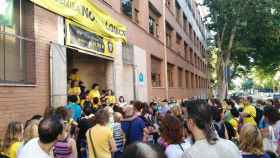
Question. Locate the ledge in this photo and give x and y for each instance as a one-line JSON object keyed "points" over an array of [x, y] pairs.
{"points": [[158, 87], [16, 85]]}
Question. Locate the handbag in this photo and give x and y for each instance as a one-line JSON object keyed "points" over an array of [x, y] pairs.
{"points": [[270, 143], [91, 141]]}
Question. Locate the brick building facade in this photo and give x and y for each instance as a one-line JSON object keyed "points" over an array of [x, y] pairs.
{"points": [[166, 38]]}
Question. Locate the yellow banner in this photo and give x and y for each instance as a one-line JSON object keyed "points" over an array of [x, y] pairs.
{"points": [[87, 14], [80, 37]]}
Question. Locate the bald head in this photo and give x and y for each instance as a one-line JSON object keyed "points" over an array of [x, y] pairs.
{"points": [[49, 129]]}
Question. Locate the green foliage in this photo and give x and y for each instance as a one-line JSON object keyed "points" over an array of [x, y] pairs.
{"points": [[247, 84], [256, 26]]}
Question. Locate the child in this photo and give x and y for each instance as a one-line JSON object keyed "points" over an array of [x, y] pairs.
{"points": [[74, 107], [13, 139], [65, 147], [118, 135]]}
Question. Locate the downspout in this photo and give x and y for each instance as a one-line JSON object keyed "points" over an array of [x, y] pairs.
{"points": [[134, 66], [165, 51]]}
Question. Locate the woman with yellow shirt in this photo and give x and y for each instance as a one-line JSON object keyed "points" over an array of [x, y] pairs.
{"points": [[249, 113], [13, 139], [111, 99], [100, 140], [75, 90], [94, 92]]}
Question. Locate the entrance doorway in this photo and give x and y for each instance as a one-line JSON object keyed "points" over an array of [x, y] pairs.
{"points": [[92, 69]]}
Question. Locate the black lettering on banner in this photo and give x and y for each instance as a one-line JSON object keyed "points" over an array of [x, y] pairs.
{"points": [[87, 13], [87, 40], [112, 28]]}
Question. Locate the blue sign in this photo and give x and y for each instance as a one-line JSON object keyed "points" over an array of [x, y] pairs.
{"points": [[141, 78]]}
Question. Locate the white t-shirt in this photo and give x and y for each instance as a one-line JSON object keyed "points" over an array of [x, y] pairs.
{"points": [[33, 150], [222, 149], [176, 151]]}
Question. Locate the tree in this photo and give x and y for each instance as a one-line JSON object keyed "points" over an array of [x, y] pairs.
{"points": [[245, 33], [247, 84]]}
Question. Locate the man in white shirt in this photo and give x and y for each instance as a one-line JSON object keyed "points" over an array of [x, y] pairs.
{"points": [[49, 129], [207, 143]]}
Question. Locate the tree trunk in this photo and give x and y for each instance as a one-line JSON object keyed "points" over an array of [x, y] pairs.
{"points": [[221, 78], [223, 63]]}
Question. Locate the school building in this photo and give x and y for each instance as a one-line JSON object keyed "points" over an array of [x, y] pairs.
{"points": [[141, 49]]}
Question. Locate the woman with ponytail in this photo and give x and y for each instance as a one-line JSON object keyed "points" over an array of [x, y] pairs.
{"points": [[206, 141]]}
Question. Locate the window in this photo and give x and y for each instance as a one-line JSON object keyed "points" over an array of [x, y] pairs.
{"points": [[186, 52], [152, 25], [192, 81], [127, 7], [196, 81], [130, 9], [168, 39], [156, 71], [154, 16], [190, 32], [178, 39], [178, 13], [180, 76], [168, 35], [187, 77], [170, 69], [185, 21], [17, 47], [191, 56], [194, 40], [195, 60]]}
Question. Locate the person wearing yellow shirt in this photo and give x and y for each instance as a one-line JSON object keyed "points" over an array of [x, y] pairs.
{"points": [[234, 121], [249, 113], [13, 139], [94, 92], [74, 90], [74, 76], [111, 99], [95, 104], [100, 140]]}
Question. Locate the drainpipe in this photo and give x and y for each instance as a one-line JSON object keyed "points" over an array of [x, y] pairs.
{"points": [[165, 51], [134, 81], [134, 66]]}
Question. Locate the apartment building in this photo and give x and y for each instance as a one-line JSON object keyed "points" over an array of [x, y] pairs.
{"points": [[141, 49]]}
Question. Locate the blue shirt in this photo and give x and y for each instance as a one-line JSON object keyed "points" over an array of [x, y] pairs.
{"points": [[75, 109], [134, 130], [255, 156], [262, 123]]}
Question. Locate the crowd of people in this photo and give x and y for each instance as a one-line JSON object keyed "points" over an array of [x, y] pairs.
{"points": [[98, 125]]}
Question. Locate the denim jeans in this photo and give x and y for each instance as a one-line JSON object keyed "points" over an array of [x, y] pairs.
{"points": [[118, 154]]}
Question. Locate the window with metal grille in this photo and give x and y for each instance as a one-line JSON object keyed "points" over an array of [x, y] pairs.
{"points": [[17, 46], [180, 77], [170, 72], [156, 71]]}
